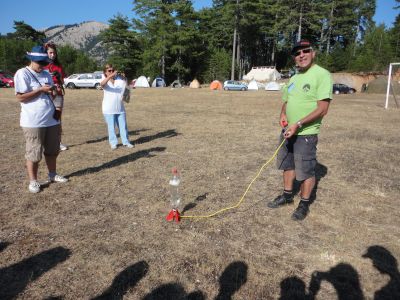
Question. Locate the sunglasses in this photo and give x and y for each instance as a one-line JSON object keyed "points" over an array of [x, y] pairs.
{"points": [[110, 70], [43, 63], [304, 51]]}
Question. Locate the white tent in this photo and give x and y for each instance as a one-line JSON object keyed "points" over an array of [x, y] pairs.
{"points": [[253, 86], [272, 86], [158, 82], [263, 74], [142, 82]]}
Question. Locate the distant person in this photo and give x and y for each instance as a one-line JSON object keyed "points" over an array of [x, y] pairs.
{"points": [[114, 85], [306, 101], [57, 72], [34, 90]]}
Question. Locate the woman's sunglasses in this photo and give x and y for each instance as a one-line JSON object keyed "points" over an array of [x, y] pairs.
{"points": [[304, 51], [110, 70]]}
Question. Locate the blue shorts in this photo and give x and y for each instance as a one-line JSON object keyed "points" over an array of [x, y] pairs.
{"points": [[299, 153]]}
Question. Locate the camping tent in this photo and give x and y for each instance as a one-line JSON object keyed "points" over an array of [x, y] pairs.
{"points": [[176, 84], [253, 86], [195, 84], [263, 74], [272, 86], [216, 85], [158, 82], [142, 82]]}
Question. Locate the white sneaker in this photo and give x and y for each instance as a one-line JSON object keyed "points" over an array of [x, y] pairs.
{"points": [[129, 145], [113, 147], [63, 147], [34, 187], [58, 178]]}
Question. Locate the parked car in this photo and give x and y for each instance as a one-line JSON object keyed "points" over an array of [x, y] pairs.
{"points": [[339, 88], [6, 80], [235, 85], [86, 80]]}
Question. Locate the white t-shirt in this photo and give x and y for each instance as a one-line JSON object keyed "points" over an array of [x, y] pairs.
{"points": [[39, 111], [112, 100]]}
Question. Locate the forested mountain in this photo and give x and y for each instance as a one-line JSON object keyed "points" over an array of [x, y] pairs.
{"points": [[171, 39]]}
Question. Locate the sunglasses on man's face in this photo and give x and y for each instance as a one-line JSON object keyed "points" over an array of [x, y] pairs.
{"points": [[110, 70], [304, 51]]}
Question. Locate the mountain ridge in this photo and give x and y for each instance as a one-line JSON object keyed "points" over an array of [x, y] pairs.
{"points": [[82, 36]]}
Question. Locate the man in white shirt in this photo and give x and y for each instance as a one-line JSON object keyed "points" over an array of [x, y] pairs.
{"points": [[39, 122]]}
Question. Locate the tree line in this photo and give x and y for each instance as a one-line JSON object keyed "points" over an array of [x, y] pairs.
{"points": [[169, 38]]}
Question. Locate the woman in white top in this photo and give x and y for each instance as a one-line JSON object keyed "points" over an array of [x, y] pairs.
{"points": [[113, 85], [34, 89]]}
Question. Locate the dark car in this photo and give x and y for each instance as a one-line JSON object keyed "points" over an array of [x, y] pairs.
{"points": [[340, 88]]}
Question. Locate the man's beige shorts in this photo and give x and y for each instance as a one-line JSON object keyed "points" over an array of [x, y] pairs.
{"points": [[41, 140]]}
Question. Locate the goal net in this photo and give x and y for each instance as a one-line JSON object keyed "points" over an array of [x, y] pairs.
{"points": [[393, 90]]}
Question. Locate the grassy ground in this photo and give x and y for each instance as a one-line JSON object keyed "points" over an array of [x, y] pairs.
{"points": [[103, 235]]}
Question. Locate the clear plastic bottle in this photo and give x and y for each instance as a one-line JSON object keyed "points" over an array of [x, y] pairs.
{"points": [[174, 187]]}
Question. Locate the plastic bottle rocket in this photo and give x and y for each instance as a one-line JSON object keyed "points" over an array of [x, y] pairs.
{"points": [[175, 197]]}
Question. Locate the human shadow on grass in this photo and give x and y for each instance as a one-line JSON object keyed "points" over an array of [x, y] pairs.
{"points": [[164, 134], [343, 277], [385, 263], [231, 280], [15, 278], [173, 291], [124, 281], [191, 205], [105, 138], [147, 153]]}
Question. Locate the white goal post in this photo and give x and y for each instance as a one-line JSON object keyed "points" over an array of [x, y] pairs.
{"points": [[389, 85]]}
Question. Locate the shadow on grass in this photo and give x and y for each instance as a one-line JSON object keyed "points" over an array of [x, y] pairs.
{"points": [[231, 280], [15, 278], [164, 134], [105, 138], [345, 279], [387, 264], [125, 280], [173, 291], [4, 245], [191, 205], [118, 161]]}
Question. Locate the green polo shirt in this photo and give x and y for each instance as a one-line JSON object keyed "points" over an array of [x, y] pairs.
{"points": [[303, 92]]}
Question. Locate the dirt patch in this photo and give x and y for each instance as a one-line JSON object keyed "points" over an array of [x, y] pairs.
{"points": [[104, 234]]}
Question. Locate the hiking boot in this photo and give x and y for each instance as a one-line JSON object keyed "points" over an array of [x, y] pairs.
{"points": [[34, 187], [301, 211], [58, 178], [279, 201]]}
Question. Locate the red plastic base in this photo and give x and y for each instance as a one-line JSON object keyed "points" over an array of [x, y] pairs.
{"points": [[174, 215]]}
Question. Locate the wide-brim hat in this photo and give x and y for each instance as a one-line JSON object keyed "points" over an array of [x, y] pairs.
{"points": [[301, 44], [38, 53]]}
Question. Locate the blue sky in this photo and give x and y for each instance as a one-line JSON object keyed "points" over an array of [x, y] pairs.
{"points": [[67, 12]]}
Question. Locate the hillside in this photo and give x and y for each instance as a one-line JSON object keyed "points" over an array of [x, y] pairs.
{"points": [[83, 36]]}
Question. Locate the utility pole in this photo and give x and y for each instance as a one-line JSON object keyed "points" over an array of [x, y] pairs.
{"points": [[234, 41]]}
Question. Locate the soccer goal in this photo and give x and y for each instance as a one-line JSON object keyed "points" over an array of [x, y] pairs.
{"points": [[392, 77]]}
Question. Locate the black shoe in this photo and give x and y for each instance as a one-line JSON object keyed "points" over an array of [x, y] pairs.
{"points": [[301, 211], [279, 201]]}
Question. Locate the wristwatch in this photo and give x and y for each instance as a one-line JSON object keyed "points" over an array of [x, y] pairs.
{"points": [[299, 124]]}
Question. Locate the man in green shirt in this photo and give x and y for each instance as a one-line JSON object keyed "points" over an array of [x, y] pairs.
{"points": [[306, 101]]}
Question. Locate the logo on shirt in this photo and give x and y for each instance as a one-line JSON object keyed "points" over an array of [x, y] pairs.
{"points": [[306, 87]]}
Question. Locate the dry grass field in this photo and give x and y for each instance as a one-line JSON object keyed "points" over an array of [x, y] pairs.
{"points": [[103, 235]]}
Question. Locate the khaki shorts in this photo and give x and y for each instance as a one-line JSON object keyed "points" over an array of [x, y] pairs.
{"points": [[40, 140]]}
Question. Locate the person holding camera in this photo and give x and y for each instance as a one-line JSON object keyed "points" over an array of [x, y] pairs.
{"points": [[57, 72], [114, 84], [34, 90]]}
